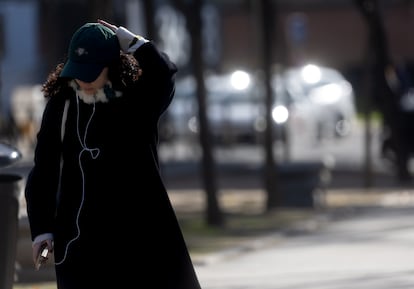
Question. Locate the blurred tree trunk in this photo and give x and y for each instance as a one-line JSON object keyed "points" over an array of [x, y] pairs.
{"points": [[367, 108], [381, 93], [266, 15], [149, 13], [100, 9], [49, 29], [192, 11]]}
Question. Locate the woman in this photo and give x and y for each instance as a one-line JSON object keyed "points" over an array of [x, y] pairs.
{"points": [[94, 196]]}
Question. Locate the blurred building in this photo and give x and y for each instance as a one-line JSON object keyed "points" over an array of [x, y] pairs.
{"points": [[19, 55], [330, 33], [34, 34]]}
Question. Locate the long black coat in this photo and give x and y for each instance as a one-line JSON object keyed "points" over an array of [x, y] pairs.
{"points": [[113, 222]]}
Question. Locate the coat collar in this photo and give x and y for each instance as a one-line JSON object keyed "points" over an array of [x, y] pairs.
{"points": [[103, 95]]}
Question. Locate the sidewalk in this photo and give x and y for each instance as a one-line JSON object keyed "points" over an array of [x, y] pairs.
{"points": [[247, 224], [249, 228]]}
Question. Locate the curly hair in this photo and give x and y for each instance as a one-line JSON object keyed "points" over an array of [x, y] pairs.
{"points": [[122, 73]]}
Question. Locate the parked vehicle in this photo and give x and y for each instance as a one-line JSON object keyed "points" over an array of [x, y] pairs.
{"points": [[310, 101], [233, 104], [321, 98], [8, 154]]}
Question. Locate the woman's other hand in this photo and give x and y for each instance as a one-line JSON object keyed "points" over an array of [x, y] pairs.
{"points": [[38, 247]]}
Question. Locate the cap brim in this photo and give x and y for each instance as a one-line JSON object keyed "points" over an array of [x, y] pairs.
{"points": [[87, 72]]}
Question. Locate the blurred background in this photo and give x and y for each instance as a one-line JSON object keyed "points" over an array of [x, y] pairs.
{"points": [[276, 100], [287, 87]]}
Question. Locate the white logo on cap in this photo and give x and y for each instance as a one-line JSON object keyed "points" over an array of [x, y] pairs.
{"points": [[81, 51]]}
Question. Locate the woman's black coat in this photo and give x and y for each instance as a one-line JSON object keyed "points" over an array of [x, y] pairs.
{"points": [[113, 222]]}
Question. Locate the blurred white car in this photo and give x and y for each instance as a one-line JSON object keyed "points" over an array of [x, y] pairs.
{"points": [[233, 107], [318, 107], [320, 101]]}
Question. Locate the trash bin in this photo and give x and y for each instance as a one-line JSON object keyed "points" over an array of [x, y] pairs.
{"points": [[298, 182], [9, 215]]}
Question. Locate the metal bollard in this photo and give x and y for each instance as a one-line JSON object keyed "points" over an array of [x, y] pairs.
{"points": [[298, 182], [9, 215], [9, 219]]}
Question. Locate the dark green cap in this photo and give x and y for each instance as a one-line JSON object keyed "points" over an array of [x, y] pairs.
{"points": [[92, 48]]}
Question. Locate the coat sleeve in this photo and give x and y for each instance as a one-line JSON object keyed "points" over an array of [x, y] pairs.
{"points": [[42, 181], [158, 71], [158, 74]]}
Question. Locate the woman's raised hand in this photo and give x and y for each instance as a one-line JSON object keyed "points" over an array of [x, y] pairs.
{"points": [[109, 25]]}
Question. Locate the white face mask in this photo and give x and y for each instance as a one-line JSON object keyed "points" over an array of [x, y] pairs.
{"points": [[102, 95]]}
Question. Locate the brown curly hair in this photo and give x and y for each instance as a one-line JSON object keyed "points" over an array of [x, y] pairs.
{"points": [[122, 73]]}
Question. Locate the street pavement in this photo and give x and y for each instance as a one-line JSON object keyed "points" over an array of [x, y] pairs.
{"points": [[362, 239], [366, 248]]}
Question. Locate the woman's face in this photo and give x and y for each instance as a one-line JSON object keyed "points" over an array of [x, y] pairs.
{"points": [[91, 88]]}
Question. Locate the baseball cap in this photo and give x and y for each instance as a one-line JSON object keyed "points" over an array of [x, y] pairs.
{"points": [[92, 48]]}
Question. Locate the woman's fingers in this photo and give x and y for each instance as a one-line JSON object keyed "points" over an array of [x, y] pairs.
{"points": [[109, 25]]}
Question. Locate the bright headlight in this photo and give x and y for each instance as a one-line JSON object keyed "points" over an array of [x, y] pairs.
{"points": [[240, 79], [280, 114]]}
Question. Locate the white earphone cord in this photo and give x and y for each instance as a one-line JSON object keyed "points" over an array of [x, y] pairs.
{"points": [[94, 152]]}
